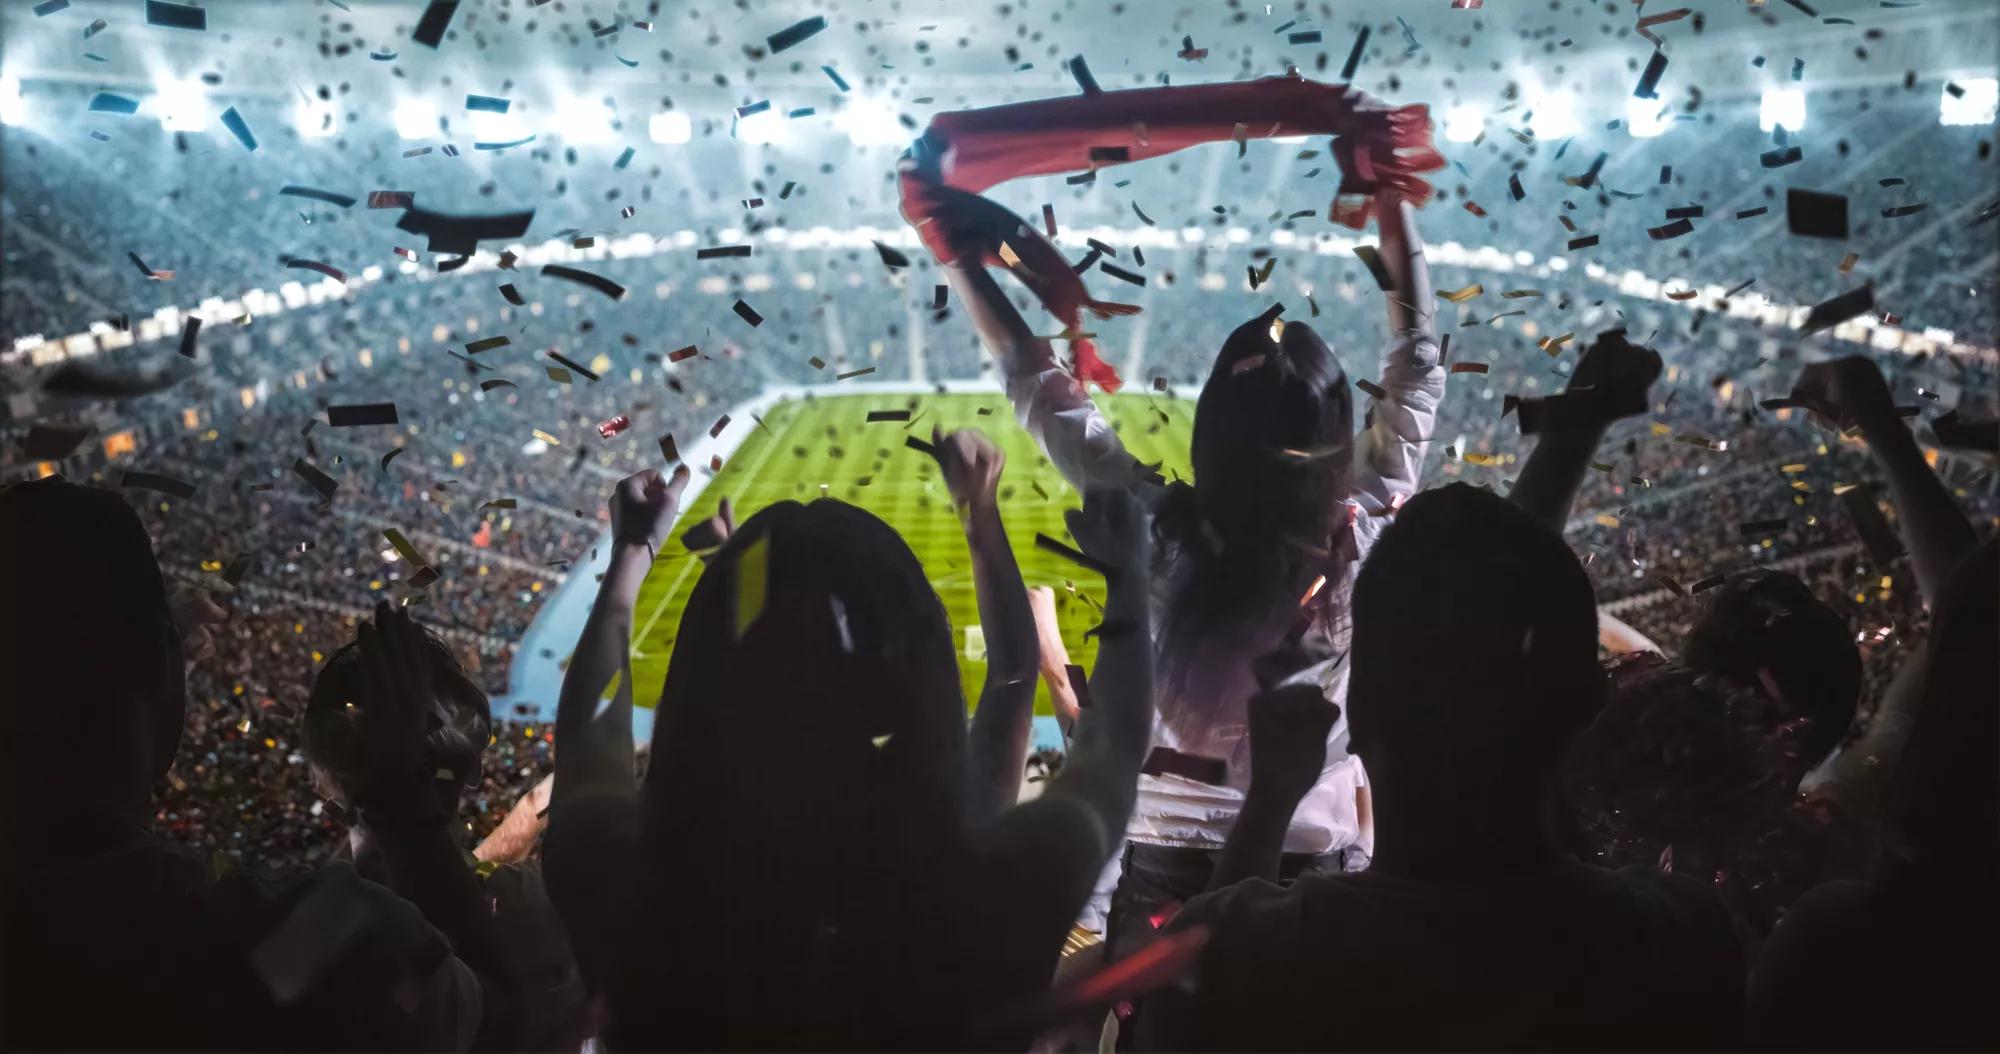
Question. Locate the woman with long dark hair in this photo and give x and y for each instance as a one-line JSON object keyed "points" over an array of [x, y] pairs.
{"points": [[1256, 554], [820, 857]]}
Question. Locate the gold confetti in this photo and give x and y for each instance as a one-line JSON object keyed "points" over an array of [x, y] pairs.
{"points": [[752, 583], [1460, 296], [881, 740], [1847, 263], [1485, 460], [1605, 519], [1792, 468], [545, 437]]}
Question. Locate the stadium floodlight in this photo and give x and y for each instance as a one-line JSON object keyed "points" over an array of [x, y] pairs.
{"points": [[13, 109], [181, 105], [765, 126], [1646, 118], [416, 119], [316, 118], [670, 127], [1782, 108], [1554, 115], [584, 121], [1464, 122], [490, 127], [1977, 102], [869, 123]]}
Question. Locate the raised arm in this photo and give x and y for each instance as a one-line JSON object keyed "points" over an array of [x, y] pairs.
{"points": [[1610, 382], [1288, 733], [1046, 854], [594, 738], [1003, 723], [1851, 391], [1390, 452]]}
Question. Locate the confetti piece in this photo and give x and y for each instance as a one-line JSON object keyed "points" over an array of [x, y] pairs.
{"points": [[863, 372], [189, 328], [332, 272], [1899, 211], [390, 456], [462, 234], [1080, 70], [1812, 214], [1781, 157], [1682, 294], [431, 27], [488, 103], [156, 482], [52, 442], [1468, 367], [919, 446], [598, 282], [1514, 186], [718, 251], [1141, 213], [752, 575], [834, 77], [1712, 445], [680, 354], [1460, 296], [105, 102], [487, 344], [888, 415], [1744, 214], [384, 56], [316, 479], [1649, 81], [795, 34], [1670, 231], [1354, 56], [545, 437], [359, 414], [328, 196], [403, 547], [507, 145], [1584, 242], [1373, 259], [571, 366], [892, 258], [239, 128], [512, 294], [49, 7], [1127, 276], [721, 423], [1847, 264], [747, 313], [1051, 545], [176, 16], [1839, 309]]}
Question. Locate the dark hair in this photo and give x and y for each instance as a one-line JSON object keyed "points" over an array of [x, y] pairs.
{"points": [[457, 732], [1769, 621], [1475, 649], [1272, 454], [803, 805], [88, 643], [1683, 760]]}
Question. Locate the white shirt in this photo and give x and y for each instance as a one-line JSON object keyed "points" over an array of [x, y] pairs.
{"points": [[1173, 810]]}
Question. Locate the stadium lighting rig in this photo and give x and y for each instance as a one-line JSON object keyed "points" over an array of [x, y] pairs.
{"points": [[1782, 108]]}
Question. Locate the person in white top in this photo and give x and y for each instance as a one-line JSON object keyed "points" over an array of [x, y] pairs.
{"points": [[1257, 554]]}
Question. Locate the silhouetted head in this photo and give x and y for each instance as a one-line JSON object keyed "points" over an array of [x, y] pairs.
{"points": [[97, 688], [1684, 760], [804, 798], [1271, 453], [1765, 630], [1474, 663], [458, 728]]}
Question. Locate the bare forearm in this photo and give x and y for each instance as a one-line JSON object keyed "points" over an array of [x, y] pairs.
{"points": [[1256, 842], [1402, 254], [1933, 526], [1000, 327], [1553, 473], [594, 744], [1113, 733], [1002, 725]]}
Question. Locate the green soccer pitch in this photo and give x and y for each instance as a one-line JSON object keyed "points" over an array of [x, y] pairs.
{"points": [[824, 447]]}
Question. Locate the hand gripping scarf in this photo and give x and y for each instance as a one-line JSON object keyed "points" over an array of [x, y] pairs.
{"points": [[966, 152]]}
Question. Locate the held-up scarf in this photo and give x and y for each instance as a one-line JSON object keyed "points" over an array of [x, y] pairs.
{"points": [[966, 152]]}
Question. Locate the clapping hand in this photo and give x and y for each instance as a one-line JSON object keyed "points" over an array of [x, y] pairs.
{"points": [[1613, 377]]}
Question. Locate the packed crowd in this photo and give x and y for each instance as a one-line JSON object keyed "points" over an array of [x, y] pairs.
{"points": [[1560, 667]]}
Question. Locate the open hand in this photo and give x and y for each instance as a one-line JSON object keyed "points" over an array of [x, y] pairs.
{"points": [[644, 505], [1613, 377], [1288, 730], [1849, 390], [971, 464]]}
